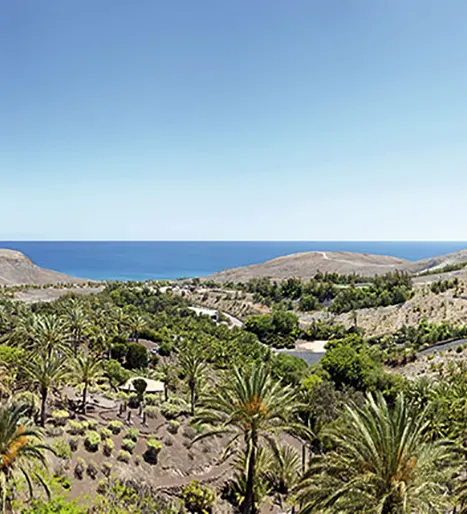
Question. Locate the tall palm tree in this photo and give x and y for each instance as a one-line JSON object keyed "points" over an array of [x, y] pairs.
{"points": [[46, 370], [193, 367], [20, 449], [383, 461], [86, 369], [77, 324], [137, 324], [249, 406], [49, 333]]}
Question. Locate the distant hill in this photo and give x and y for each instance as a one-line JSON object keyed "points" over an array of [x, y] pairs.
{"points": [[305, 265], [16, 268]]}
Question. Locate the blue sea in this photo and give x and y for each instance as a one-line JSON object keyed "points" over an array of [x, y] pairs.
{"points": [[178, 259]]}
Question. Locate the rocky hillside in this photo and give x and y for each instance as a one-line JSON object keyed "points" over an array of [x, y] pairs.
{"points": [[16, 268], [305, 265]]}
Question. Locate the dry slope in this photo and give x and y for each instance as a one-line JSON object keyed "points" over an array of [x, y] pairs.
{"points": [[16, 268], [306, 264]]}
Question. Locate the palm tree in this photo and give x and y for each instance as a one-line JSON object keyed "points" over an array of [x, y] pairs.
{"points": [[49, 333], [137, 324], [77, 325], [86, 369], [250, 406], [20, 449], [194, 369], [45, 371], [383, 461], [283, 472]]}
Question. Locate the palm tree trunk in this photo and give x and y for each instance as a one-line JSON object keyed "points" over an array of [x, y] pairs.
{"points": [[44, 392], [85, 393], [249, 505], [192, 390]]}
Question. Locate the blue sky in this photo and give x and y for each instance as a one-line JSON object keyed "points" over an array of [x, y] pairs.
{"points": [[225, 120]]}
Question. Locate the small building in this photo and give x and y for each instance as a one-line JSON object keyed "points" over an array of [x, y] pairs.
{"points": [[152, 386], [203, 311]]}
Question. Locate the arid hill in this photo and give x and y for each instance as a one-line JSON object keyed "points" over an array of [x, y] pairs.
{"points": [[16, 268], [305, 265]]}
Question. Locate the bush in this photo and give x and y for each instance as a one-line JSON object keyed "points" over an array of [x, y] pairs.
{"points": [[116, 427], [151, 399], [197, 498], [106, 469], [154, 446], [102, 486], [124, 456], [79, 468], [129, 445], [92, 470], [137, 356], [74, 443], [60, 417], [132, 433], [137, 460], [151, 411], [109, 445], [92, 441], [92, 424], [76, 428], [62, 449], [133, 401], [105, 432], [27, 398], [173, 427], [53, 431]]}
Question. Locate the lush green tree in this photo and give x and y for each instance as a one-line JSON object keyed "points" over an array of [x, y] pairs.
{"points": [[348, 366], [115, 373], [382, 460], [85, 370], [140, 385], [249, 406], [21, 449], [288, 368], [137, 356]]}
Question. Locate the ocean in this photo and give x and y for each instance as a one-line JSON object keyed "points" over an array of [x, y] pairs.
{"points": [[143, 260]]}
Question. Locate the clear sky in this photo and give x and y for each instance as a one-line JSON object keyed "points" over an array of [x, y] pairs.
{"points": [[233, 119]]}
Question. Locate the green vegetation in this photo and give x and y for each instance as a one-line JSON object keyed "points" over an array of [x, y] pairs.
{"points": [[340, 436], [338, 293]]}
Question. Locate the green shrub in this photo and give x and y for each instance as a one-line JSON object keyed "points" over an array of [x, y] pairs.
{"points": [[60, 417], [105, 432], [151, 411], [62, 449], [116, 427], [137, 460], [151, 399], [137, 356], [173, 427], [92, 424], [92, 470], [109, 445], [132, 433], [197, 498], [133, 401], [106, 469], [102, 486], [79, 468], [54, 431], [124, 456], [129, 445], [75, 428], [92, 441], [154, 446], [74, 443]]}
